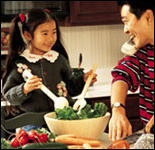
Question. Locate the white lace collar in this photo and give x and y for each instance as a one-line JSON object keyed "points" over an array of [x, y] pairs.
{"points": [[50, 56]]}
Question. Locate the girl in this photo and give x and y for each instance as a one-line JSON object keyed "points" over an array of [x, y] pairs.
{"points": [[35, 42]]}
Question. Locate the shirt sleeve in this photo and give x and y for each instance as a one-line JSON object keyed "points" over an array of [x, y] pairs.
{"points": [[13, 88], [74, 84], [128, 70]]}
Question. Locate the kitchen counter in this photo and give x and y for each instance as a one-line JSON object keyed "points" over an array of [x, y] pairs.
{"points": [[105, 140], [131, 139], [102, 87]]}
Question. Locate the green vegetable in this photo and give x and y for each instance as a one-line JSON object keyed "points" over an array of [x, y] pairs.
{"points": [[45, 146], [87, 112], [66, 114], [100, 109]]}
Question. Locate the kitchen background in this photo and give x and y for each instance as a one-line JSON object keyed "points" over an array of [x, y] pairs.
{"points": [[92, 28], [100, 43]]}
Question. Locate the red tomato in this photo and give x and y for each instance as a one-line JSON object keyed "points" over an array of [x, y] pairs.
{"points": [[14, 142], [21, 132], [119, 144], [32, 135], [43, 138], [35, 141], [23, 139]]}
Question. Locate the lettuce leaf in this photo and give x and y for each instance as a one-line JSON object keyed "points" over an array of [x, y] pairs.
{"points": [[87, 112]]}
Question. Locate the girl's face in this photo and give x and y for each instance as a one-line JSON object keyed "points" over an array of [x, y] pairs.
{"points": [[44, 39]]}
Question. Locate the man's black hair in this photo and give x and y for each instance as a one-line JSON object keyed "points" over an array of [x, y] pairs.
{"points": [[138, 7]]}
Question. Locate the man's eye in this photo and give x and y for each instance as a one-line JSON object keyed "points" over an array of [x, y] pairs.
{"points": [[124, 21]]}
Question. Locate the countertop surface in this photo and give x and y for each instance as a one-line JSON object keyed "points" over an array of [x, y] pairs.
{"points": [[105, 140], [102, 87], [131, 139]]}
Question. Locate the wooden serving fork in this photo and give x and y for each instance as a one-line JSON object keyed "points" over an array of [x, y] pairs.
{"points": [[81, 102]]}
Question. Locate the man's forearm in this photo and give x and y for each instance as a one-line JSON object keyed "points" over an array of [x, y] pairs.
{"points": [[118, 93]]}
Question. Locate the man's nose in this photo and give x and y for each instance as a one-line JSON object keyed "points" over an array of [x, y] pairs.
{"points": [[126, 31]]}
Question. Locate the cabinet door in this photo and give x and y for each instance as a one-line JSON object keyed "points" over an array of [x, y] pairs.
{"points": [[94, 12]]}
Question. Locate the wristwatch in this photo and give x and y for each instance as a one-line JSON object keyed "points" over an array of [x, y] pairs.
{"points": [[118, 104]]}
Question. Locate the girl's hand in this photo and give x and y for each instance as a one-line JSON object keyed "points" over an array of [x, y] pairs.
{"points": [[31, 84], [119, 125], [86, 75]]}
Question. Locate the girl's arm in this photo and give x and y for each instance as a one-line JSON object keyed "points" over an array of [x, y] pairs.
{"points": [[77, 83], [74, 84], [13, 88]]}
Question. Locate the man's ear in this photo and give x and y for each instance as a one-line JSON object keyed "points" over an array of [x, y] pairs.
{"points": [[149, 15], [27, 36]]}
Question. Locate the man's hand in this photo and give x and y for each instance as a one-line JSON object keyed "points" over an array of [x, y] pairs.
{"points": [[149, 125], [119, 125]]}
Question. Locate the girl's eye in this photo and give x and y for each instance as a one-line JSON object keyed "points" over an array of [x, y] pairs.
{"points": [[44, 33]]}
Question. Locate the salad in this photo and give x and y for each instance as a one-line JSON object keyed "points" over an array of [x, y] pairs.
{"points": [[68, 113]]}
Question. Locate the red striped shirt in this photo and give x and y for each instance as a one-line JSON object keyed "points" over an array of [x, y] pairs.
{"points": [[138, 71]]}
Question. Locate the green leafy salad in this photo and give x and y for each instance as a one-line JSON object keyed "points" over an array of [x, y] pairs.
{"points": [[87, 112]]}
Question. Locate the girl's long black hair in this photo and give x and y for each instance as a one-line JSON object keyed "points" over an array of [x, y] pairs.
{"points": [[33, 18]]}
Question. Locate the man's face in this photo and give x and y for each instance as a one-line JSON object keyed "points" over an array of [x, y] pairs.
{"points": [[137, 29]]}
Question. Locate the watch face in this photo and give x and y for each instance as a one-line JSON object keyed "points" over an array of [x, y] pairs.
{"points": [[117, 104]]}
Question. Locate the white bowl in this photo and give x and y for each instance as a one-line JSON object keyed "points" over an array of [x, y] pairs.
{"points": [[91, 128]]}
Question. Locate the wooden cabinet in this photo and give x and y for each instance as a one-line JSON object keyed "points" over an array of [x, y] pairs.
{"points": [[73, 13], [94, 12], [10, 9], [132, 109]]}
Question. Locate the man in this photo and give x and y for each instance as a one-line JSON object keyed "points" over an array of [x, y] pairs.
{"points": [[134, 71]]}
